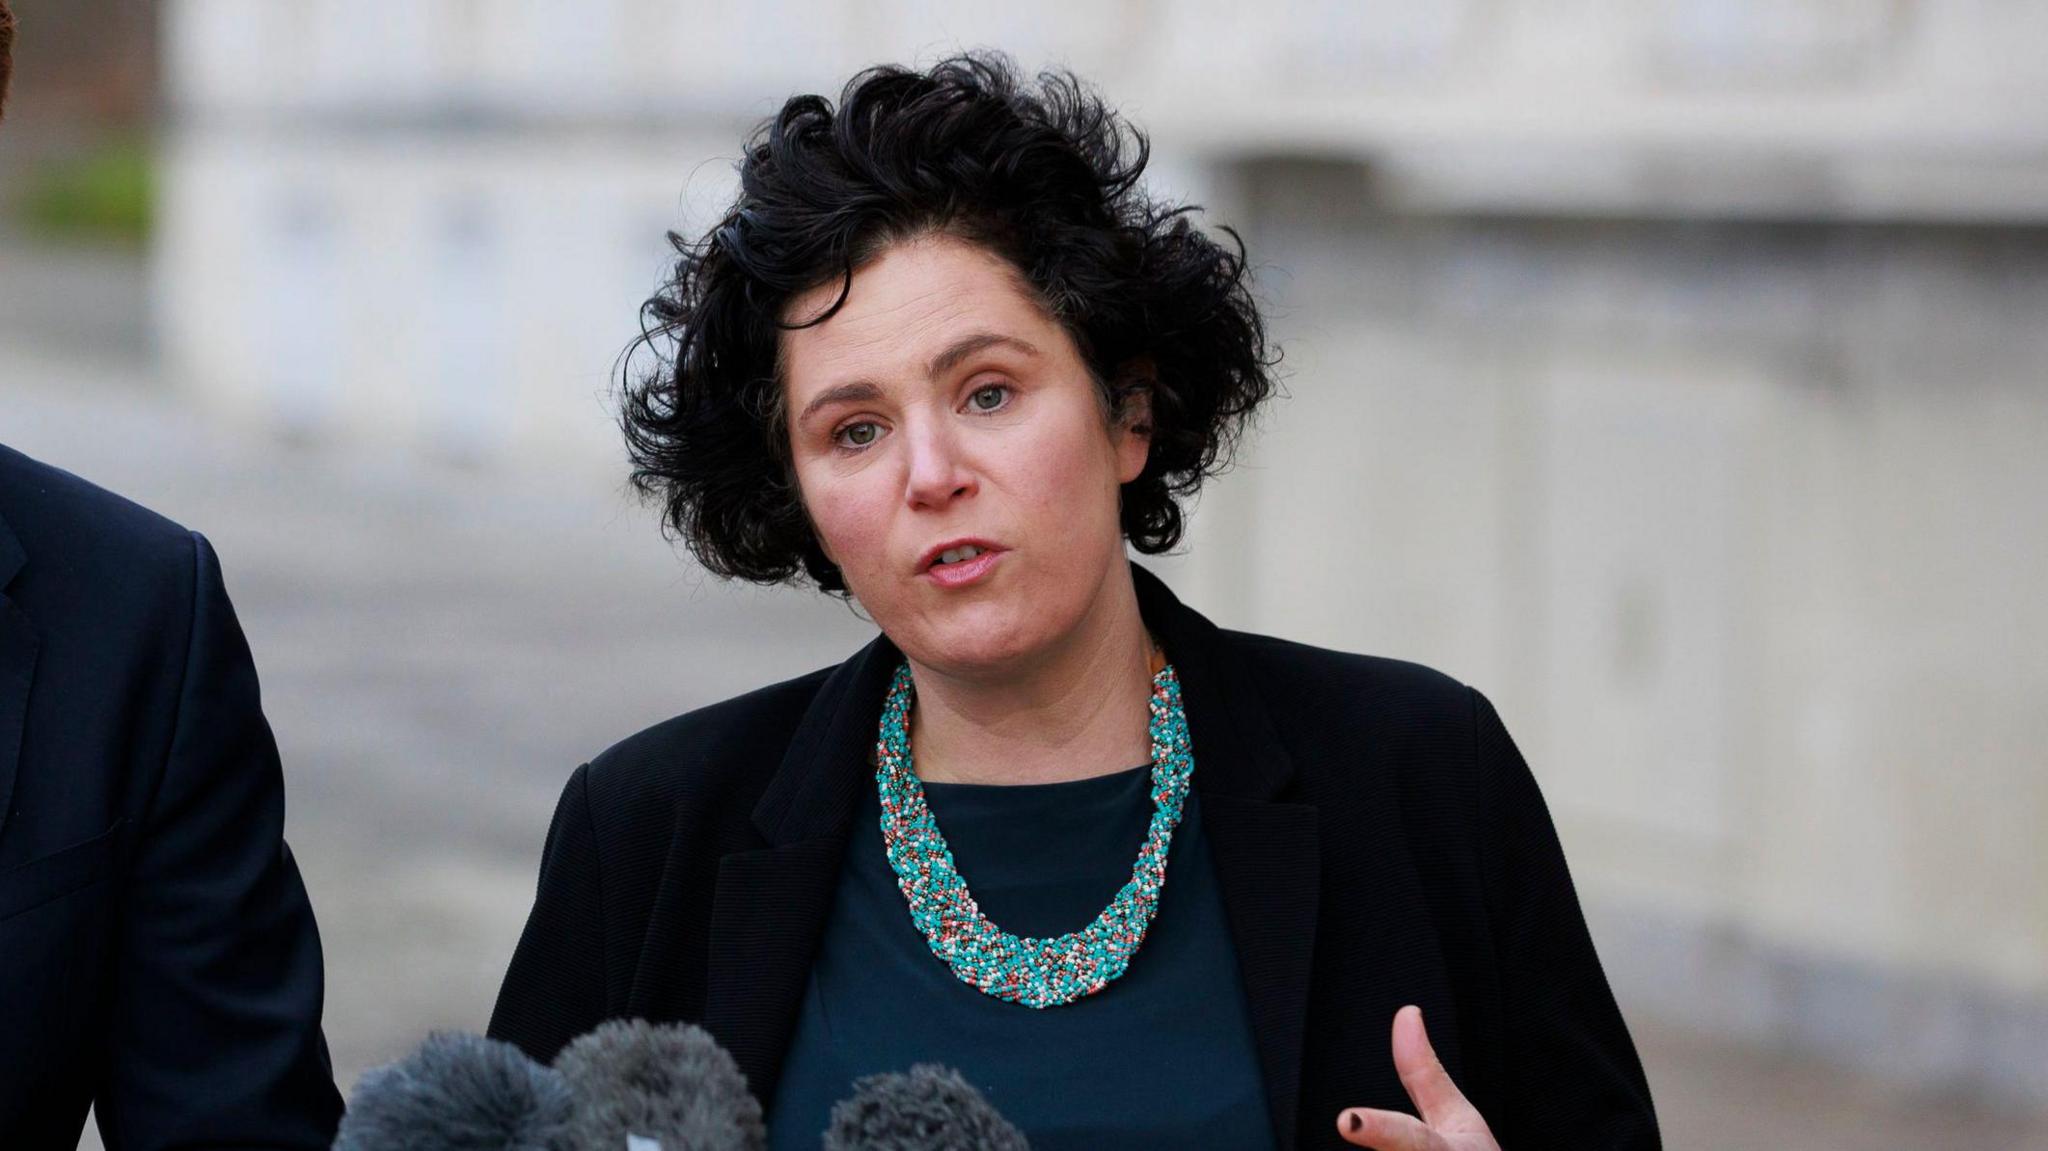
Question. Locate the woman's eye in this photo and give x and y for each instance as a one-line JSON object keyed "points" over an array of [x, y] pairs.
{"points": [[988, 399], [858, 435]]}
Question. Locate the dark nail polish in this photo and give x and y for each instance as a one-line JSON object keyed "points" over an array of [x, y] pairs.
{"points": [[1356, 1123]]}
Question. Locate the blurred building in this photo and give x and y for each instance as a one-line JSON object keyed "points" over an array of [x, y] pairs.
{"points": [[1672, 370]]}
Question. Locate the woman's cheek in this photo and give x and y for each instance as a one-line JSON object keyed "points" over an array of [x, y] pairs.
{"points": [[854, 532], [1070, 470]]}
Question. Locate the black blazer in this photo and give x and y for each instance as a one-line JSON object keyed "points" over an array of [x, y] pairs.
{"points": [[158, 958], [1377, 837]]}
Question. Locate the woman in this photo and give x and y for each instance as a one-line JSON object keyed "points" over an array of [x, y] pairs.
{"points": [[1144, 881]]}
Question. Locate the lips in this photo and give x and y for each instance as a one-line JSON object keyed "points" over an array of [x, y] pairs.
{"points": [[964, 572], [955, 551], [959, 562]]}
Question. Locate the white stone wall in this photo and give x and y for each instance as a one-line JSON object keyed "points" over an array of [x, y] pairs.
{"points": [[371, 204], [468, 294], [1878, 108]]}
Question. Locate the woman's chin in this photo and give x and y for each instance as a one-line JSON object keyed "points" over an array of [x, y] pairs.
{"points": [[978, 644]]}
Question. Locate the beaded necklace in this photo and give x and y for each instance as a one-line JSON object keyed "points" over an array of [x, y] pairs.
{"points": [[1035, 972]]}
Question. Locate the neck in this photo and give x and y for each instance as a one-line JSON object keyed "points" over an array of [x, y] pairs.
{"points": [[1078, 711]]}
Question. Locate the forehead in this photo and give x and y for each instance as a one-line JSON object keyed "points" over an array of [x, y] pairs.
{"points": [[905, 303]]}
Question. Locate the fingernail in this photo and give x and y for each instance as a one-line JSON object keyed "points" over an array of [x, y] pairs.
{"points": [[1353, 1123]]}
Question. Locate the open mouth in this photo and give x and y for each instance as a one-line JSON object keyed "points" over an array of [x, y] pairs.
{"points": [[961, 562]]}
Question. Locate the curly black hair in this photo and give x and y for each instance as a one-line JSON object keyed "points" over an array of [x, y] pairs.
{"points": [[1047, 177]]}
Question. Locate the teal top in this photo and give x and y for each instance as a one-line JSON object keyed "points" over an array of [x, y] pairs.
{"points": [[1161, 1057]]}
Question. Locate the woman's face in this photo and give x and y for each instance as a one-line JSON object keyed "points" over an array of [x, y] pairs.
{"points": [[942, 409]]}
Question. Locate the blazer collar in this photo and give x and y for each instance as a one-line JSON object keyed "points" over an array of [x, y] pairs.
{"points": [[18, 645], [12, 555], [817, 786]]}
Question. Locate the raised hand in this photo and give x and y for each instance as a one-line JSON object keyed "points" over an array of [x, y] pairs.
{"points": [[1449, 1121]]}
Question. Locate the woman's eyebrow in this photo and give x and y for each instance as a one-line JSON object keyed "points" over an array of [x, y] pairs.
{"points": [[971, 343], [859, 391], [862, 391]]}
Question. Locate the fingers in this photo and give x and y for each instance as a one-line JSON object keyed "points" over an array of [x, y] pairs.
{"points": [[1385, 1130], [1445, 1110], [1438, 1099]]}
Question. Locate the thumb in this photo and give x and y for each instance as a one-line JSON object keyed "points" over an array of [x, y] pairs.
{"points": [[1429, 1085]]}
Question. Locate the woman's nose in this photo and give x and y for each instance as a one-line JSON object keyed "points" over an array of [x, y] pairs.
{"points": [[939, 472]]}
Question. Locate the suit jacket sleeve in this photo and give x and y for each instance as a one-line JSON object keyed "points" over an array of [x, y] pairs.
{"points": [[1577, 1080], [554, 990], [215, 1018]]}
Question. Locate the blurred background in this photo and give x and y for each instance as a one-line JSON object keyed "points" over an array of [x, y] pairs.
{"points": [[1675, 371]]}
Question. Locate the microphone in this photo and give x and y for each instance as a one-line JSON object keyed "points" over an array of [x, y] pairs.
{"points": [[457, 1093], [641, 1087], [931, 1108]]}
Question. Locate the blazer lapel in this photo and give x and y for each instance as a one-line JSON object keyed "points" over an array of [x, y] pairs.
{"points": [[18, 645], [1268, 857], [769, 909], [766, 919]]}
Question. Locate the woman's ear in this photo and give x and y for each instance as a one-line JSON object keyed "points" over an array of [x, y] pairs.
{"points": [[1131, 421]]}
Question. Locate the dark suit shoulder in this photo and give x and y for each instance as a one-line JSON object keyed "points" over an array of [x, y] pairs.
{"points": [[76, 531], [1290, 667], [701, 755]]}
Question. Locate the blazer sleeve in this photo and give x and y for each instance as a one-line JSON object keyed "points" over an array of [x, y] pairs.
{"points": [[554, 990], [1574, 1079], [214, 1022]]}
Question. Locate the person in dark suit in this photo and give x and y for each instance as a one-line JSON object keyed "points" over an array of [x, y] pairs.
{"points": [[1145, 881], [159, 964], [159, 961]]}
